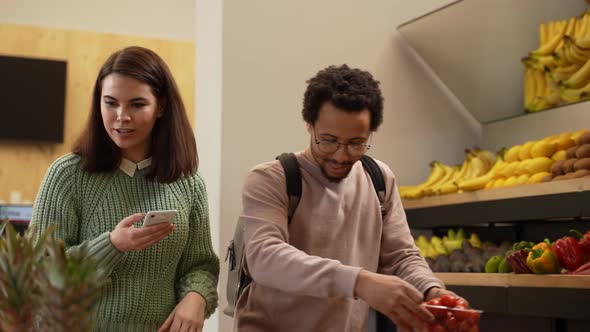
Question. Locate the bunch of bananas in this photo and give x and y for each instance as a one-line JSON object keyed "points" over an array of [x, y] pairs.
{"points": [[558, 72], [521, 164], [444, 179], [452, 241]]}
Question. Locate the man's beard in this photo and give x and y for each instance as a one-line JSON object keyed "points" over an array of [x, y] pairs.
{"points": [[322, 163]]}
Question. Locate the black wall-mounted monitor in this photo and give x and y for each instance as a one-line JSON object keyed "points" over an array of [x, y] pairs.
{"points": [[32, 99]]}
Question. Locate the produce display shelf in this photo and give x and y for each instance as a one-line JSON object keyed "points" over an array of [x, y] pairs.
{"points": [[549, 200], [546, 296], [515, 280]]}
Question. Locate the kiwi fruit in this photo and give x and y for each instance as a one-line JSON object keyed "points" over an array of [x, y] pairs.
{"points": [[570, 152], [557, 168], [583, 151], [581, 164], [568, 165], [584, 139]]}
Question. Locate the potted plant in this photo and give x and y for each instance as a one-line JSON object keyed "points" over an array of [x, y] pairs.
{"points": [[42, 287]]}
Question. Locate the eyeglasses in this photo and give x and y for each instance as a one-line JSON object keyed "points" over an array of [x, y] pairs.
{"points": [[329, 146]]}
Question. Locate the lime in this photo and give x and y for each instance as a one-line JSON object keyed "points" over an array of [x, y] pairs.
{"points": [[492, 264], [504, 267]]}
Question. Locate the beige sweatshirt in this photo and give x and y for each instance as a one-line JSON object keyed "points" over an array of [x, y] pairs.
{"points": [[304, 273]]}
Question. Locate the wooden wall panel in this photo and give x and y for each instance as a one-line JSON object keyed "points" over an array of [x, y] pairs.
{"points": [[23, 165]]}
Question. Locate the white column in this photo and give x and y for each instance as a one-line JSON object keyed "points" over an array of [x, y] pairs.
{"points": [[208, 108]]}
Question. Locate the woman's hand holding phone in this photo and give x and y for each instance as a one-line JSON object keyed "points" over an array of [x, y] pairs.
{"points": [[125, 237]]}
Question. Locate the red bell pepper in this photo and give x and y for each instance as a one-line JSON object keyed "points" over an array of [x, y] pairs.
{"points": [[584, 269], [568, 252], [584, 241]]}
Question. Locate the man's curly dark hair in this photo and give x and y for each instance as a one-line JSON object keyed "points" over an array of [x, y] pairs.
{"points": [[349, 89]]}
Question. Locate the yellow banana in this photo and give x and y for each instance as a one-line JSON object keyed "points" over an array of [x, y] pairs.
{"points": [[512, 154], [579, 26], [559, 155], [540, 62], [525, 150], [508, 169], [553, 42], [575, 52], [522, 179], [499, 182], [510, 181], [543, 34], [451, 187], [575, 95], [480, 182], [561, 74], [490, 184], [583, 27], [529, 89], [543, 149], [450, 178], [486, 156], [579, 78], [538, 177], [560, 58], [539, 164], [539, 103], [476, 168], [569, 31], [448, 172], [414, 192]]}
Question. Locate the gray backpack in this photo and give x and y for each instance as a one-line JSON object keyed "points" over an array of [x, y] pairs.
{"points": [[238, 277]]}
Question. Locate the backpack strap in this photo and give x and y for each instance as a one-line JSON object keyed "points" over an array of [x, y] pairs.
{"points": [[370, 165], [293, 178]]}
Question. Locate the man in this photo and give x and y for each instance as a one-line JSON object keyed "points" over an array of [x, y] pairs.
{"points": [[339, 255]]}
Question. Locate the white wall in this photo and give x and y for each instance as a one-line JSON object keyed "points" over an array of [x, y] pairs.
{"points": [[270, 48], [535, 126], [170, 19]]}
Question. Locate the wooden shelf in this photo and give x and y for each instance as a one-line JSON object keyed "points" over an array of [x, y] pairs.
{"points": [[531, 190], [549, 296], [541, 201], [515, 280]]}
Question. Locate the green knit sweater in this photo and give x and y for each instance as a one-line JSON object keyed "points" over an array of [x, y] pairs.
{"points": [[142, 287]]}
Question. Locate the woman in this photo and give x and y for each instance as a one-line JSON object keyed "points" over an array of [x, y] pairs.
{"points": [[137, 154]]}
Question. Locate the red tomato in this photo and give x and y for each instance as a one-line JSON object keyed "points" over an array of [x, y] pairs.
{"points": [[448, 300], [464, 326], [435, 301], [474, 328], [461, 315], [436, 328], [438, 313], [461, 304], [451, 322], [473, 317]]}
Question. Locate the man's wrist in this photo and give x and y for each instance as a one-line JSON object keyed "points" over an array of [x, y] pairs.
{"points": [[360, 278], [428, 290]]}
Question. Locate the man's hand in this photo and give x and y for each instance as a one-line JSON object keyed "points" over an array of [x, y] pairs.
{"points": [[127, 238], [435, 292], [188, 316], [393, 297]]}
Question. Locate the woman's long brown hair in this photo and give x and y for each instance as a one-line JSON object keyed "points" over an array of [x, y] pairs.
{"points": [[173, 146]]}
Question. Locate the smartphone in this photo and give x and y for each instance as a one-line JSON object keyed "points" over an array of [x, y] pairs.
{"points": [[158, 217]]}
